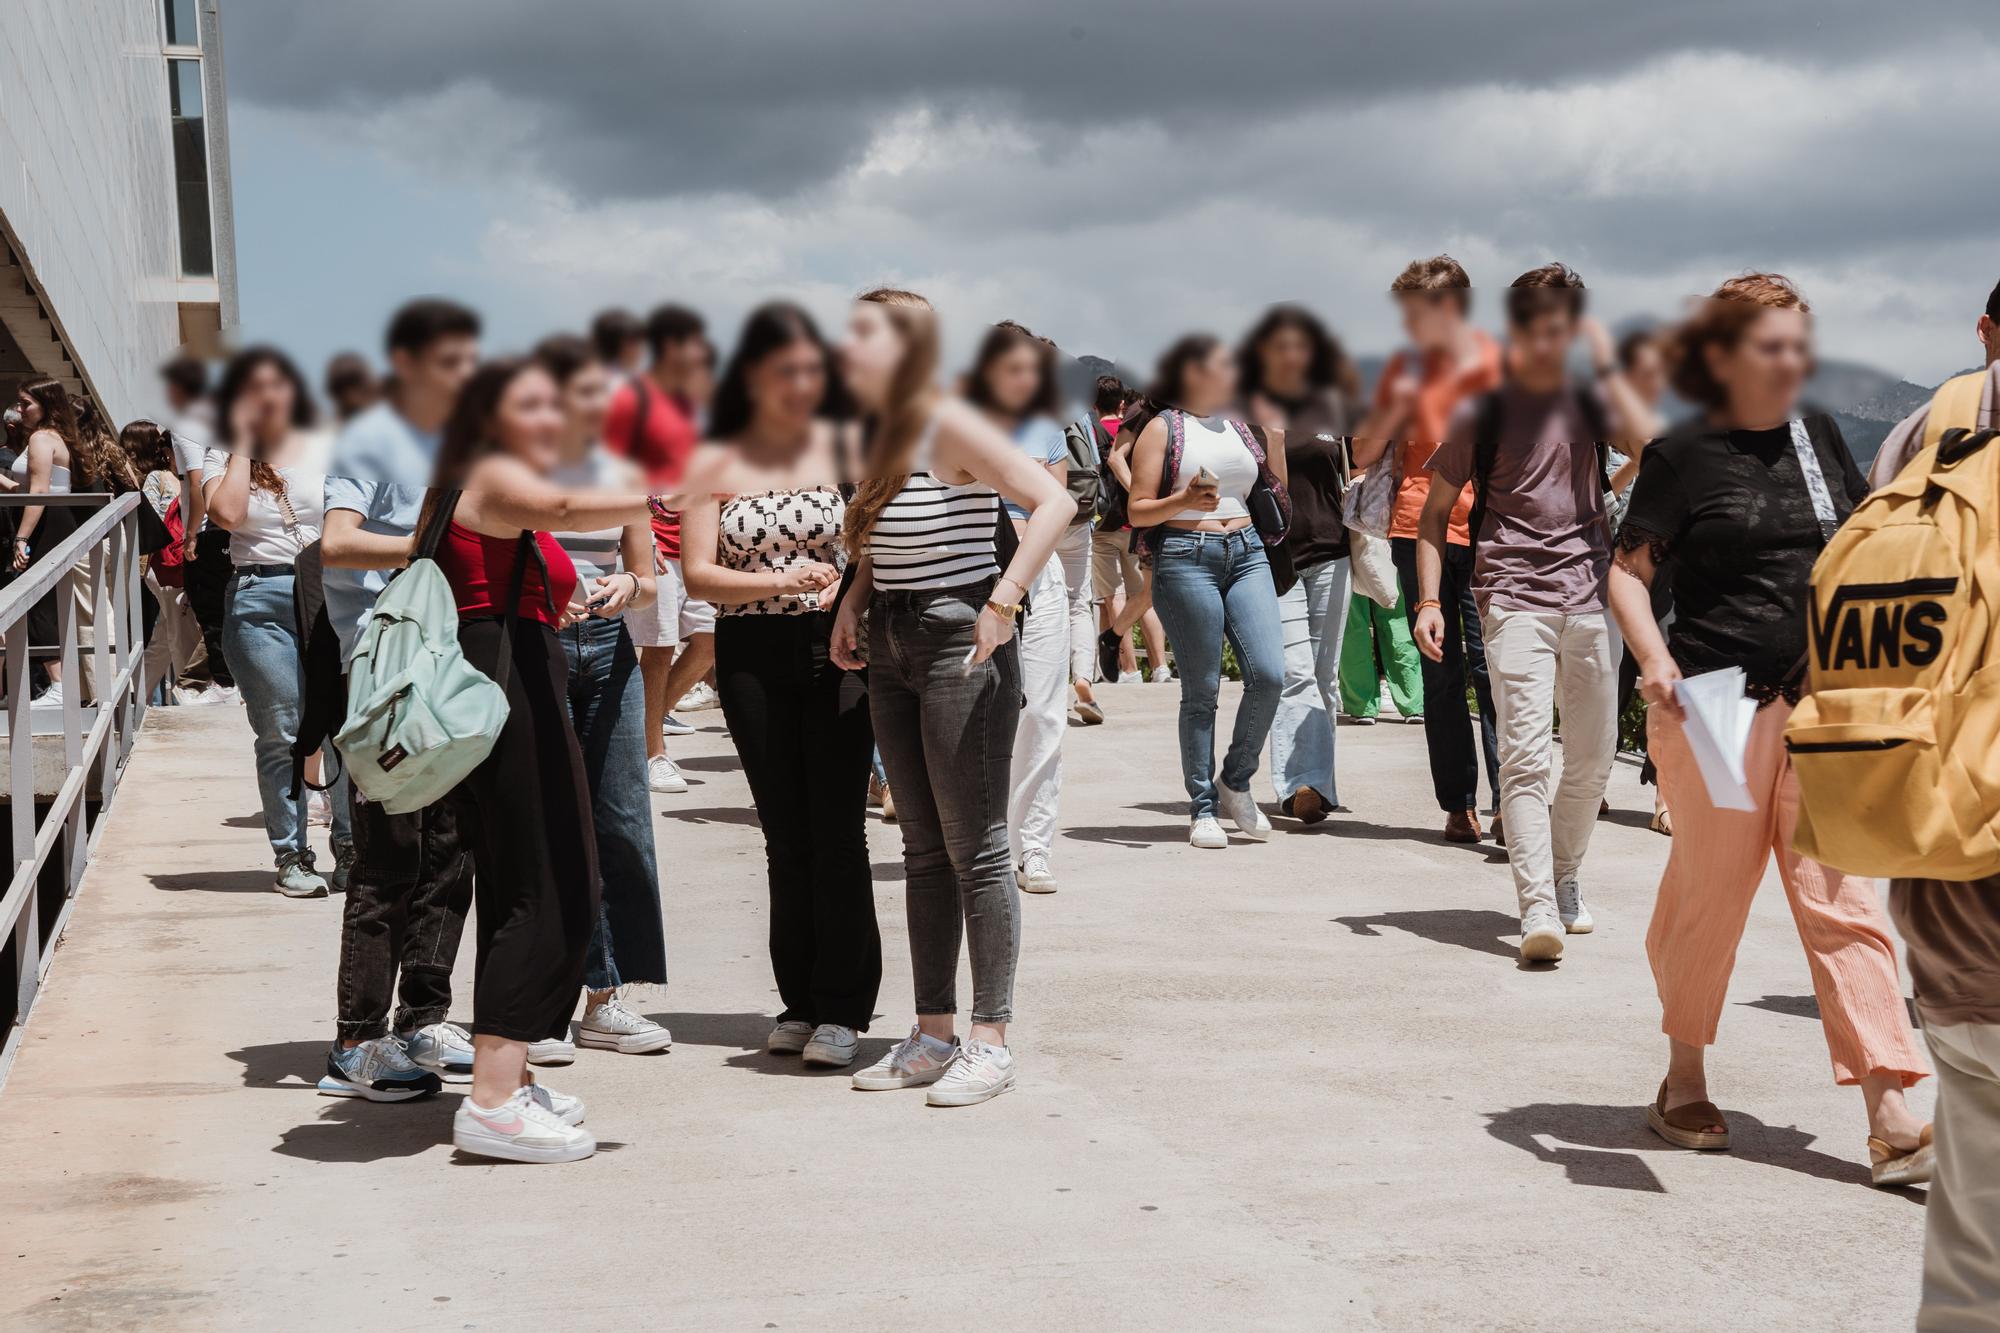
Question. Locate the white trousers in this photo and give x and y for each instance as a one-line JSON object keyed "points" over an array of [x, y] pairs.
{"points": [[1038, 738], [1540, 661], [1074, 553]]}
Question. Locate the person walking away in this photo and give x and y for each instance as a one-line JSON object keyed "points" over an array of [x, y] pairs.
{"points": [[265, 486], [944, 687], [1013, 381], [761, 539], [176, 634], [1535, 452], [1120, 581], [651, 421], [1295, 377], [1447, 362], [525, 811], [351, 386], [1737, 506], [44, 467], [607, 709], [410, 885], [184, 380], [1194, 471]]}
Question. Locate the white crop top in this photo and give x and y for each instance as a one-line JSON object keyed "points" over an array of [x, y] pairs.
{"points": [[1213, 443]]}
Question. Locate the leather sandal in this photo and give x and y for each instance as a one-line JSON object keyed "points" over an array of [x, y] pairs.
{"points": [[1889, 1166], [1688, 1126]]}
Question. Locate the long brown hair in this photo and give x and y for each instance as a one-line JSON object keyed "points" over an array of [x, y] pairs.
{"points": [[58, 409], [1720, 321], [468, 431], [902, 416], [96, 459]]}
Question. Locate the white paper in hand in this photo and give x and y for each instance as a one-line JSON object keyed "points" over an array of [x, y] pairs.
{"points": [[1718, 731]]}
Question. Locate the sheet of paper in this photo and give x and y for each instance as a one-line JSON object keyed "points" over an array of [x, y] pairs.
{"points": [[1718, 731]]}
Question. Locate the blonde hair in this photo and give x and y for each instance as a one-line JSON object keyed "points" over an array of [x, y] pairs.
{"points": [[902, 415]]}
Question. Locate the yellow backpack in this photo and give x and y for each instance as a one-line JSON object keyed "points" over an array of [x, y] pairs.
{"points": [[1897, 745]]}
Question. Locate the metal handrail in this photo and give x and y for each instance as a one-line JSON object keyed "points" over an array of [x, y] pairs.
{"points": [[103, 551]]}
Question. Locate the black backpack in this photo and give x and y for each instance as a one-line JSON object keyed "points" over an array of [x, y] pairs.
{"points": [[323, 700], [1486, 448], [1084, 461]]}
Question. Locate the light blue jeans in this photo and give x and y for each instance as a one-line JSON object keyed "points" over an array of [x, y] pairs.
{"points": [[261, 640], [1207, 587], [1314, 613]]}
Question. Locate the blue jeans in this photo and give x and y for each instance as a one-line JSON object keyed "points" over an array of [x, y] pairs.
{"points": [[1314, 613], [1208, 586], [607, 706], [261, 638]]}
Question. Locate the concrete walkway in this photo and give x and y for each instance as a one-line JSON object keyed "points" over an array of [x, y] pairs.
{"points": [[1302, 1085]]}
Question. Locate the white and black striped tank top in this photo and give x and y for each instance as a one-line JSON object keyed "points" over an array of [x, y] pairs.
{"points": [[931, 535]]}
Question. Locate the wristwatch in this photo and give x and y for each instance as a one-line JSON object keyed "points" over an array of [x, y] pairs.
{"points": [[1005, 612]]}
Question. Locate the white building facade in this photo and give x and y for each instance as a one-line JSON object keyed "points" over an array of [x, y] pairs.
{"points": [[116, 239]]}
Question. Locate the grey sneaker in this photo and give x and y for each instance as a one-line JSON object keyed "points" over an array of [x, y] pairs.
{"points": [[377, 1071], [1571, 909], [981, 1072], [789, 1037], [443, 1048], [1541, 936], [832, 1046], [297, 878], [914, 1062], [612, 1027], [1241, 807]]}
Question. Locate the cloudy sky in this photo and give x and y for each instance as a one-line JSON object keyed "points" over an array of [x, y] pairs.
{"points": [[1110, 174]]}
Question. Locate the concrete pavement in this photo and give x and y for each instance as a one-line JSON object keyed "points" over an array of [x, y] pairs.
{"points": [[1297, 1085]]}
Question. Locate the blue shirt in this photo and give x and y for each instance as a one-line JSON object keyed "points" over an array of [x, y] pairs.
{"points": [[1040, 438], [380, 469]]}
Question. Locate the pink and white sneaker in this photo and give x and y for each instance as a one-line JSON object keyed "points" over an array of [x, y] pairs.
{"points": [[522, 1129]]}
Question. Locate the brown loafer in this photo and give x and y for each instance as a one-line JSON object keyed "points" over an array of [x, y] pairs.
{"points": [[1306, 805], [1461, 826], [1688, 1126]]}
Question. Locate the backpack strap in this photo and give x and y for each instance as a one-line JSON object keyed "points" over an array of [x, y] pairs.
{"points": [[527, 546], [1954, 405], [440, 519], [1816, 488], [1485, 452], [1170, 466]]}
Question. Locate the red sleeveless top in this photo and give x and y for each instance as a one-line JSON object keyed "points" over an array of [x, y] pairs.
{"points": [[480, 570]]}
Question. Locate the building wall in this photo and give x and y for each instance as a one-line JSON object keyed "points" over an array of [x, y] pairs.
{"points": [[86, 185]]}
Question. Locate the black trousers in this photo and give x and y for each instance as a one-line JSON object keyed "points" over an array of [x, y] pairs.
{"points": [[408, 894], [802, 729], [1447, 724], [207, 589], [525, 813]]}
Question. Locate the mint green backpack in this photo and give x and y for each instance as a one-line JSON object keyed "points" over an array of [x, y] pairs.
{"points": [[419, 716]]}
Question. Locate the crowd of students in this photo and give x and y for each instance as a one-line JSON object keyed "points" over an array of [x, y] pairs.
{"points": [[912, 591]]}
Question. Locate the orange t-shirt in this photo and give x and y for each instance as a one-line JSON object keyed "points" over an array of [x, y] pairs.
{"points": [[1443, 388]]}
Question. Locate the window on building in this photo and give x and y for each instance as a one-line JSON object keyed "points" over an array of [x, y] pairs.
{"points": [[183, 27], [190, 167]]}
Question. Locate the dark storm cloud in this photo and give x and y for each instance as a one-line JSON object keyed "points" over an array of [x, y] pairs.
{"points": [[639, 100]]}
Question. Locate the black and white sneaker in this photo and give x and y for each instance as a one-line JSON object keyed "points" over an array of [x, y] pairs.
{"points": [[376, 1071]]}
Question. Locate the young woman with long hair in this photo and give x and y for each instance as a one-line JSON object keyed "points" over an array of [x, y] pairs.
{"points": [[761, 540], [45, 466], [607, 706], [265, 487], [945, 678], [175, 633], [1211, 578], [526, 810], [1294, 376], [1738, 505], [1013, 381]]}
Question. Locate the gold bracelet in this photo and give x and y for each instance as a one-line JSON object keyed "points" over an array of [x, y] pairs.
{"points": [[1430, 601], [1004, 612]]}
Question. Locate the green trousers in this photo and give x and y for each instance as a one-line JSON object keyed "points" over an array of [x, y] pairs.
{"points": [[1378, 644]]}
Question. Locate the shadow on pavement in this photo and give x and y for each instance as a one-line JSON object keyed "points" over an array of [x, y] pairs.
{"points": [[743, 1032], [1466, 927], [214, 881], [282, 1064], [710, 763], [358, 1131], [1807, 1006], [742, 815], [1602, 1145], [244, 821]]}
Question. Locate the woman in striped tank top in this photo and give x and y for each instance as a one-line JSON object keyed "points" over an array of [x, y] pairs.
{"points": [[760, 540], [607, 706], [944, 680]]}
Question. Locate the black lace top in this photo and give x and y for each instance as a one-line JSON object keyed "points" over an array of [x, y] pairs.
{"points": [[1728, 518]]}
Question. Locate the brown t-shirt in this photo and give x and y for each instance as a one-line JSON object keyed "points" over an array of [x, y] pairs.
{"points": [[1952, 932]]}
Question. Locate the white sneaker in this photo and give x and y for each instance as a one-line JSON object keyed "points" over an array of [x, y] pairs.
{"points": [[297, 879], [1131, 677], [1161, 675], [1541, 936], [1241, 807], [1570, 909], [443, 1048], [1206, 833], [702, 696], [832, 1046], [612, 1027], [521, 1129], [789, 1037], [552, 1051], [673, 726], [914, 1062], [662, 776], [1035, 875], [567, 1109], [981, 1072], [52, 697], [224, 694]]}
